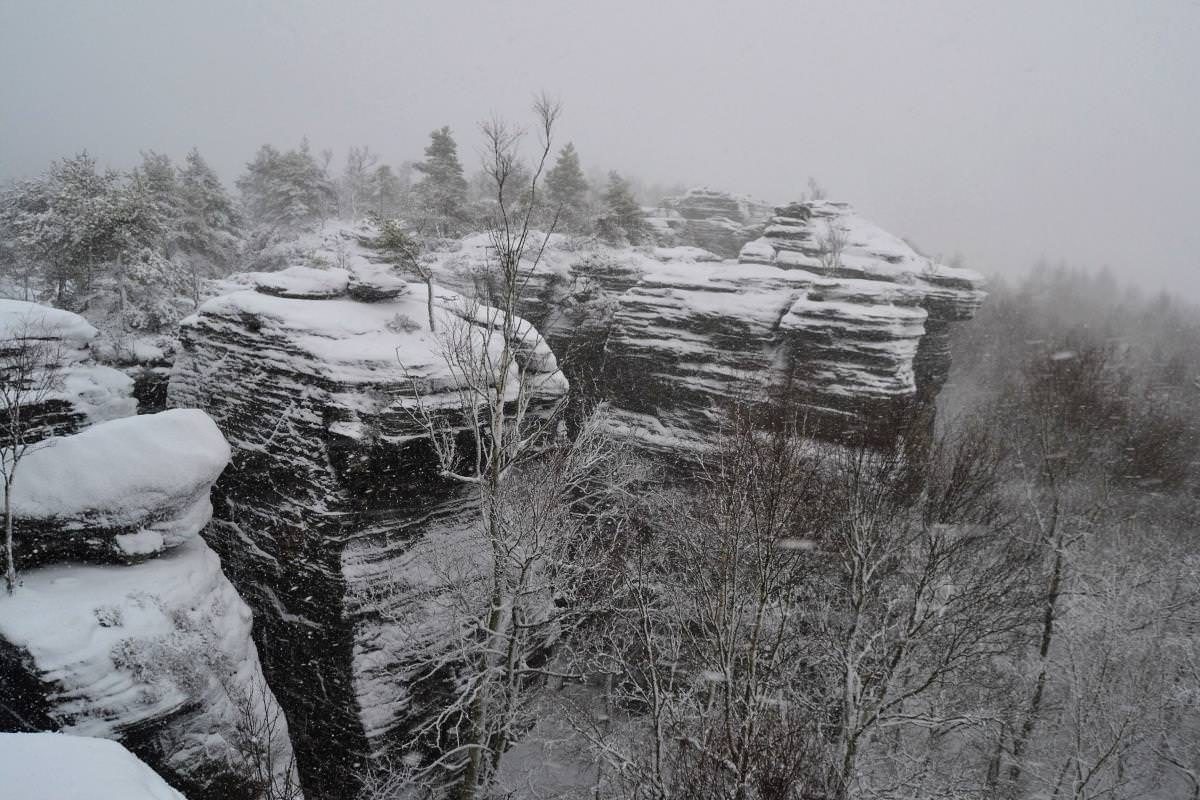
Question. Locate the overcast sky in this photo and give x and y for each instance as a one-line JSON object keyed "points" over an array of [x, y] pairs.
{"points": [[1008, 130]]}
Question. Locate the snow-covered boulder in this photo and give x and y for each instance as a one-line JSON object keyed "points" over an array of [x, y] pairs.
{"points": [[123, 490], [53, 766], [372, 283], [331, 481], [305, 283], [82, 392], [713, 220], [157, 654]]}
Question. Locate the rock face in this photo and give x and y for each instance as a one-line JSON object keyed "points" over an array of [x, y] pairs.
{"points": [[37, 766], [85, 392], [311, 374], [122, 491], [716, 221], [124, 625], [825, 308], [332, 480]]}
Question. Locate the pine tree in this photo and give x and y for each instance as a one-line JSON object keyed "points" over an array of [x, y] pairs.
{"points": [[356, 181], [624, 219], [210, 226], [160, 187], [567, 191], [64, 221], [286, 190], [442, 190], [143, 276], [386, 191]]}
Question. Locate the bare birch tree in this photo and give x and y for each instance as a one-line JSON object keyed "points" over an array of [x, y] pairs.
{"points": [[404, 248], [29, 374], [510, 586], [802, 625]]}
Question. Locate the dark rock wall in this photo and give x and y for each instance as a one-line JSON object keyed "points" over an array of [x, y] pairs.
{"points": [[331, 483]]}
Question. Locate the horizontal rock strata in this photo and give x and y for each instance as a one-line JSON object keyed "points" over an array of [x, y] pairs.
{"points": [[332, 480], [78, 392], [124, 625]]}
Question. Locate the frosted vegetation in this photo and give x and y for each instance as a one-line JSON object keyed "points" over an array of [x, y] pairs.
{"points": [[742, 602]]}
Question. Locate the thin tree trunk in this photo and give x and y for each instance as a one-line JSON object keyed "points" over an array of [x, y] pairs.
{"points": [[1035, 704], [121, 290], [10, 569], [429, 302]]}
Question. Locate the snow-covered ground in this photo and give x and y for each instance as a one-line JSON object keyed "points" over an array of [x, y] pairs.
{"points": [[54, 766]]}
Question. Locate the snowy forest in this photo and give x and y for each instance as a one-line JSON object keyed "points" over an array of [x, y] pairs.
{"points": [[499, 473]]}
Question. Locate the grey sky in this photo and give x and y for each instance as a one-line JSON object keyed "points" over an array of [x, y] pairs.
{"points": [[1006, 130]]}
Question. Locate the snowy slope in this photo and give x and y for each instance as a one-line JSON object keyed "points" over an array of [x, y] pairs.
{"points": [[53, 766]]}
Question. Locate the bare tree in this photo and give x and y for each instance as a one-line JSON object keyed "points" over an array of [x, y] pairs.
{"points": [[259, 734], [705, 654], [830, 245], [356, 178], [510, 584], [807, 623], [488, 611], [815, 190], [29, 374], [403, 247], [923, 593]]}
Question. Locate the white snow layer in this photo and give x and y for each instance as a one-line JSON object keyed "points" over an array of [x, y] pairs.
{"points": [[126, 645], [53, 766], [23, 320], [97, 392], [123, 471]]}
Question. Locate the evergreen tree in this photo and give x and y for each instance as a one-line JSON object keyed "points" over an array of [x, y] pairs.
{"points": [[356, 181], [442, 190], [567, 191], [210, 226], [286, 190], [63, 221], [387, 192], [144, 278], [623, 219], [159, 185]]}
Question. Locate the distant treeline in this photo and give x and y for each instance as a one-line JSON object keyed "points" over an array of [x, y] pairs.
{"points": [[142, 242], [1117, 366]]}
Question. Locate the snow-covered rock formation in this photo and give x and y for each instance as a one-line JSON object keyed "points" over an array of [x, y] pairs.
{"points": [[715, 221], [85, 392], [53, 766], [123, 625], [313, 375], [826, 309]]}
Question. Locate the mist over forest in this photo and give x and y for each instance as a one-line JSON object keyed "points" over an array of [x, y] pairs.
{"points": [[696, 402]]}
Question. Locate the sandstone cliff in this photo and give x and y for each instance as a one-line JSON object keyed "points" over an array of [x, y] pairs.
{"points": [[123, 625], [87, 391], [311, 376], [312, 373]]}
